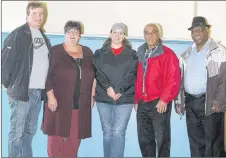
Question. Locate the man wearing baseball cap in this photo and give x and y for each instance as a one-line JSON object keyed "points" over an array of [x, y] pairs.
{"points": [[203, 91]]}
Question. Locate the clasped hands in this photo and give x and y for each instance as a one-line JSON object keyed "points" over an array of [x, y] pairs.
{"points": [[111, 93]]}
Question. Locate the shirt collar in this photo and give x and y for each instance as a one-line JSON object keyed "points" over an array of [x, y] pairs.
{"points": [[152, 49], [205, 47]]}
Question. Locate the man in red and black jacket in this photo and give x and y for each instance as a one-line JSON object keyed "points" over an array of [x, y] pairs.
{"points": [[157, 84]]}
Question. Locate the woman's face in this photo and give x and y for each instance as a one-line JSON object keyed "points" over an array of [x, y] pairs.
{"points": [[117, 36], [72, 36]]}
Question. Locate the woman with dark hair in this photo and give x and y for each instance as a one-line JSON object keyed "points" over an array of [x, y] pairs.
{"points": [[70, 89], [115, 71]]}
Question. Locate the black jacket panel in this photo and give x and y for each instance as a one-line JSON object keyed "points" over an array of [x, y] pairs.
{"points": [[17, 60], [118, 72]]}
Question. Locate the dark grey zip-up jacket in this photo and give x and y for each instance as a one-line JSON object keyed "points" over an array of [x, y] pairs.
{"points": [[17, 59], [216, 77], [118, 72]]}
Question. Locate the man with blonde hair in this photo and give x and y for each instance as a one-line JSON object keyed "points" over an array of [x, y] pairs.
{"points": [[157, 84], [25, 63]]}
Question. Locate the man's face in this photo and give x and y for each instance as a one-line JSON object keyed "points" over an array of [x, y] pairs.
{"points": [[35, 17], [200, 35], [151, 35]]}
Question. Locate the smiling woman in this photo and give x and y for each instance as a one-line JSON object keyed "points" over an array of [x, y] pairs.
{"points": [[115, 71], [67, 114]]}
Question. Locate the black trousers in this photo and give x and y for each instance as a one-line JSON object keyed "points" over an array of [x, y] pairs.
{"points": [[153, 128], [205, 133]]}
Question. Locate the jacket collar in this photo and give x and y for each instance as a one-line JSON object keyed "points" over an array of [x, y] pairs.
{"points": [[212, 46], [107, 49], [159, 50], [27, 30]]}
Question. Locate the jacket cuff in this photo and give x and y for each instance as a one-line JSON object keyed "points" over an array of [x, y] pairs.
{"points": [[217, 102], [5, 84], [105, 86], [135, 101], [118, 90], [164, 100]]}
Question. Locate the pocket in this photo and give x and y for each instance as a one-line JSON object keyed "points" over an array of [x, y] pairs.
{"points": [[187, 99], [12, 102], [10, 99]]}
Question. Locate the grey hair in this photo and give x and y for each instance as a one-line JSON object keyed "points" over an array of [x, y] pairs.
{"points": [[158, 26]]}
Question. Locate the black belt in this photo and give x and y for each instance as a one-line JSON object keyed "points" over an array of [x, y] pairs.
{"points": [[196, 95]]}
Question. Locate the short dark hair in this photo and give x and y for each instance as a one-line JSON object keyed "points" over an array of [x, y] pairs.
{"points": [[33, 5], [72, 25]]}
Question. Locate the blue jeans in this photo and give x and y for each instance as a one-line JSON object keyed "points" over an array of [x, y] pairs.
{"points": [[24, 121], [114, 120]]}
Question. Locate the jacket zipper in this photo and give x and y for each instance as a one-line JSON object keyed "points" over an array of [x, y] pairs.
{"points": [[144, 78], [116, 74], [206, 85]]}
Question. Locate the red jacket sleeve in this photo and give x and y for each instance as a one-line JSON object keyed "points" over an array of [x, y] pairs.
{"points": [[171, 79]]}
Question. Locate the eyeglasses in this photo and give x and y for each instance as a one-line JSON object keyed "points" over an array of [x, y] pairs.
{"points": [[73, 33]]}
